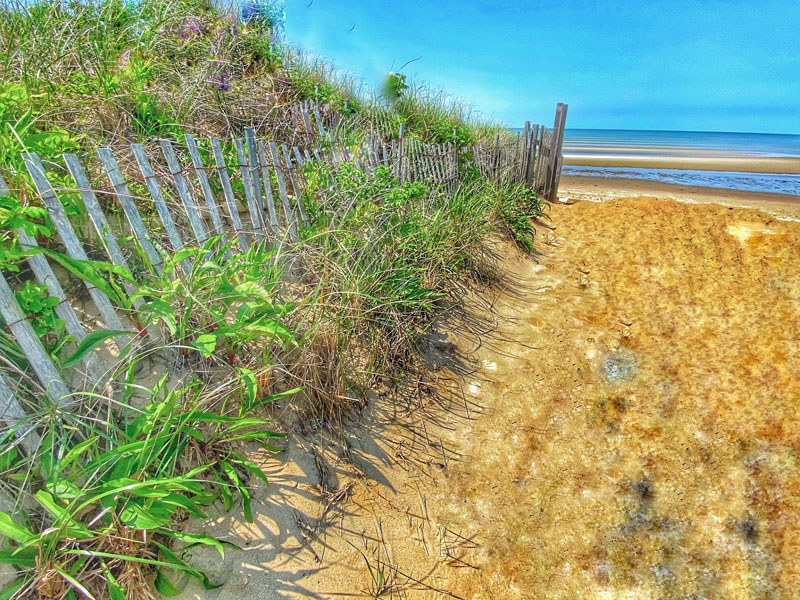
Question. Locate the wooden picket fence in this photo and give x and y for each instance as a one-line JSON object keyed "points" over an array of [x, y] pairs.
{"points": [[189, 213]]}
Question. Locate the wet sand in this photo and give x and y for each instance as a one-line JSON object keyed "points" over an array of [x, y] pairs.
{"points": [[597, 189], [748, 164]]}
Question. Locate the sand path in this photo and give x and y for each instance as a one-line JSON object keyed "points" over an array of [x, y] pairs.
{"points": [[629, 428]]}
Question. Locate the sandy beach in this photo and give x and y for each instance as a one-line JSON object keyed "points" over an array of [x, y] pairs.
{"points": [[620, 424], [596, 189]]}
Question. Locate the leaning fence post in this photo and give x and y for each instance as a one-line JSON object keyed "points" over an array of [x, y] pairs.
{"points": [[227, 190], [287, 211], [71, 243], [175, 169], [31, 346], [205, 186], [295, 186], [161, 207], [130, 210], [561, 124]]}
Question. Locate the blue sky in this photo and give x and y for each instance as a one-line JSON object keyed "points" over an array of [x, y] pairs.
{"points": [[706, 65]]}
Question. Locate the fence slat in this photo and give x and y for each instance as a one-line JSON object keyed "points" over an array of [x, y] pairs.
{"points": [[129, 208], [71, 243], [272, 213], [45, 276], [298, 157], [205, 187], [101, 225], [255, 181], [531, 159], [11, 410], [287, 211], [161, 207], [320, 128], [31, 346], [295, 186], [182, 187], [98, 219], [526, 135], [252, 204], [227, 191], [12, 413], [307, 122], [401, 147]]}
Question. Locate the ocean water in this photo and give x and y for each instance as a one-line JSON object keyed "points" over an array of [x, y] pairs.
{"points": [[731, 180], [680, 143], [586, 143]]}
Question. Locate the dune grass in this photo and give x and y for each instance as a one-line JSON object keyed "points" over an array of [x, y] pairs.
{"points": [[96, 509]]}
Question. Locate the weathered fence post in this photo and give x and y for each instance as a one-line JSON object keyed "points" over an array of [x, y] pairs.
{"points": [[245, 169], [73, 246], [31, 346], [554, 171], [265, 175], [129, 208], [161, 207], [287, 210], [205, 186]]}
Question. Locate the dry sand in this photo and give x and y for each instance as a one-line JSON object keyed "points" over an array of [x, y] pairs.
{"points": [[623, 423]]}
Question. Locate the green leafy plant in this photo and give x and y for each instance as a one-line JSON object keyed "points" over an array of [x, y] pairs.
{"points": [[110, 494], [21, 132], [38, 305], [223, 303]]}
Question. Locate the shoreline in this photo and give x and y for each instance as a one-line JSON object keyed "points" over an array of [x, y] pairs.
{"points": [[782, 165], [599, 189]]}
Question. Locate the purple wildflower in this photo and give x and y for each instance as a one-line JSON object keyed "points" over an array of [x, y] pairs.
{"points": [[224, 82]]}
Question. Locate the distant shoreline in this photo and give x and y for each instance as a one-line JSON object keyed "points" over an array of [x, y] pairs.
{"points": [[744, 164], [597, 189]]}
